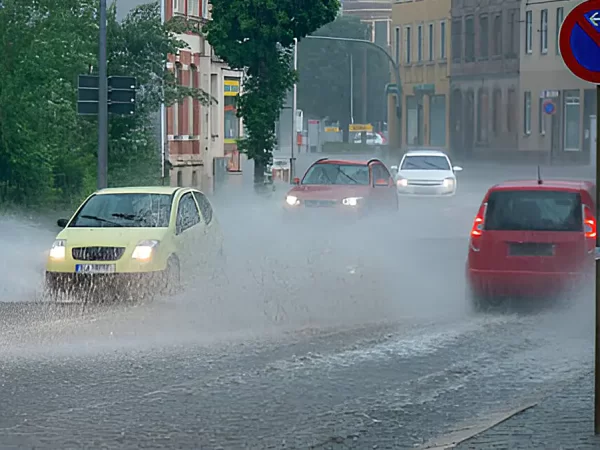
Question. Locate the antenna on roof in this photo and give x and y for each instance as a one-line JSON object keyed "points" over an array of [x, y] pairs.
{"points": [[539, 175]]}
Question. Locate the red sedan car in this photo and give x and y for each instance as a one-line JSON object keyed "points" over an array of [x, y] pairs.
{"points": [[354, 187], [531, 238]]}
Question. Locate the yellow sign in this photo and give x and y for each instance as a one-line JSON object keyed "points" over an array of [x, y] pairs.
{"points": [[332, 130], [231, 87], [360, 127]]}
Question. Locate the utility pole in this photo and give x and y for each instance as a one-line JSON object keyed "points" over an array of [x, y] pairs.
{"points": [[597, 337], [294, 106], [363, 137], [102, 103], [163, 112]]}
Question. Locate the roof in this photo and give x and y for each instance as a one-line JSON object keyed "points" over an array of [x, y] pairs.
{"points": [[168, 190], [425, 152], [546, 184], [350, 162]]}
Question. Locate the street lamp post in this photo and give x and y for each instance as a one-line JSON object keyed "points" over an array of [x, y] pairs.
{"points": [[294, 107], [102, 103]]}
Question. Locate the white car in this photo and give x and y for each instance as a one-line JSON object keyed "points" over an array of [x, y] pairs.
{"points": [[426, 173]]}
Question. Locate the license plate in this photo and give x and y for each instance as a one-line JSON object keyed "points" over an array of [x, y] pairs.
{"points": [[531, 249], [95, 268]]}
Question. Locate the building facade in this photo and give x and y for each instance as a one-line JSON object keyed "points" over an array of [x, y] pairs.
{"points": [[197, 134], [421, 47], [377, 13], [484, 78], [567, 133]]}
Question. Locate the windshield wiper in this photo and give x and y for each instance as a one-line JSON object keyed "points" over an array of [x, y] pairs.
{"points": [[347, 176], [434, 166], [127, 216], [100, 219]]}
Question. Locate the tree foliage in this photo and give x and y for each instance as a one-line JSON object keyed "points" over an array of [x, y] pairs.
{"points": [[47, 151], [257, 36], [324, 72]]}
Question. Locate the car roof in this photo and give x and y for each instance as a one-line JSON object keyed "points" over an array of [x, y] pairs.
{"points": [[425, 152], [168, 190], [567, 185], [351, 162]]}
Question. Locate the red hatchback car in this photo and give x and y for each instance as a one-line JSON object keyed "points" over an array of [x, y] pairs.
{"points": [[354, 187], [531, 238]]}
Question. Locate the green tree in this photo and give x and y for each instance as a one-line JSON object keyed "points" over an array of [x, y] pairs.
{"points": [[324, 72], [47, 151], [257, 36]]}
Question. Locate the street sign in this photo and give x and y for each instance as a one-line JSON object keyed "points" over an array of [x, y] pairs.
{"points": [[549, 107], [121, 95], [332, 130], [361, 127], [579, 41]]}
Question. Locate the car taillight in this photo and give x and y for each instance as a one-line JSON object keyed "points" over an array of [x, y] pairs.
{"points": [[477, 229], [590, 225]]}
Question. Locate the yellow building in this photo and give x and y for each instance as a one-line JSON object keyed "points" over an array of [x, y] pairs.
{"points": [[421, 47]]}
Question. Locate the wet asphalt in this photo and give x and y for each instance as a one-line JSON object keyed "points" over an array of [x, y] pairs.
{"points": [[314, 337]]}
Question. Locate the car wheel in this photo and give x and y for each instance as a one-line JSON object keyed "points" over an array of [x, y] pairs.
{"points": [[476, 301], [172, 276]]}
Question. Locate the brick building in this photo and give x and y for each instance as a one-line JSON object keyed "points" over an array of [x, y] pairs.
{"points": [[196, 134]]}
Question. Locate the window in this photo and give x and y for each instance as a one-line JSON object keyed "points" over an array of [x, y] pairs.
{"points": [[571, 121], [534, 210], [483, 109], [124, 210], [528, 32], [527, 112], [397, 44], [178, 5], [420, 43], [544, 31], [497, 35], [512, 34], [407, 45], [425, 163], [469, 40], [337, 174], [457, 40], [187, 213], [511, 110], [194, 178], [442, 40], [177, 107], [205, 9], [437, 120], [484, 37], [379, 173], [193, 74], [542, 117], [497, 108], [205, 206], [431, 42], [560, 16], [193, 8], [231, 120], [179, 178]]}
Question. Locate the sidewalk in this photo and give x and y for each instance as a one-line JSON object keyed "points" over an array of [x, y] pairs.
{"points": [[563, 420]]}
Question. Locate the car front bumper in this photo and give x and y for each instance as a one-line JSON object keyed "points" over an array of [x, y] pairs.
{"points": [[426, 191]]}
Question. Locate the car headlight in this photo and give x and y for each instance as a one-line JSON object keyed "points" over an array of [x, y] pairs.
{"points": [[292, 200], [351, 201], [401, 182], [449, 182], [144, 250], [58, 251]]}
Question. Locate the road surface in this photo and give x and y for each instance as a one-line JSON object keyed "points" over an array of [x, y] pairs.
{"points": [[316, 337]]}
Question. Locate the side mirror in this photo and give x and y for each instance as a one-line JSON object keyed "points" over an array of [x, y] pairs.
{"points": [[62, 223], [457, 169], [382, 182], [394, 170], [296, 181]]}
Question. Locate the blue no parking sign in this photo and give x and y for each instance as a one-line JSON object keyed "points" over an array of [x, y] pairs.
{"points": [[580, 41], [549, 107]]}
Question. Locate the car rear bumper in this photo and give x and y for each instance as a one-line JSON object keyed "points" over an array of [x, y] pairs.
{"points": [[508, 283], [340, 212]]}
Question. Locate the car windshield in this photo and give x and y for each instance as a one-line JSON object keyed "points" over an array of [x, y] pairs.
{"points": [[425, 162], [534, 210], [124, 210], [337, 174]]}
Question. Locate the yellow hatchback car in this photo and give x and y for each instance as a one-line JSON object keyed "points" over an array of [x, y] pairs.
{"points": [[140, 239]]}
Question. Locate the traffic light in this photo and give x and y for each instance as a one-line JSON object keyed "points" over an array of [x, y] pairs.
{"points": [[121, 95]]}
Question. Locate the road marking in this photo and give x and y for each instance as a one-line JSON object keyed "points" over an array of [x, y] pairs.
{"points": [[457, 437]]}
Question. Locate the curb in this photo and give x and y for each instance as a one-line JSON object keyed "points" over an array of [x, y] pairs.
{"points": [[451, 440]]}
